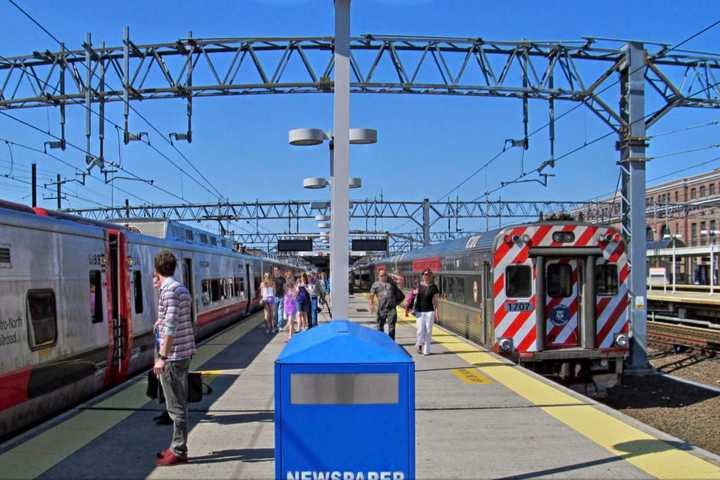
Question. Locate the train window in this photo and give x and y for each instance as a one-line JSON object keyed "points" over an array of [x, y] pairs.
{"points": [[459, 293], [96, 307], [518, 281], [215, 293], [189, 235], [559, 280], [203, 238], [239, 286], [206, 292], [213, 241], [5, 257], [137, 287], [606, 280], [43, 318]]}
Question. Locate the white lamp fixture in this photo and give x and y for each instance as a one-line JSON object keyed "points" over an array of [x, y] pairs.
{"points": [[323, 224], [363, 136], [355, 182], [322, 218], [306, 136], [315, 182]]}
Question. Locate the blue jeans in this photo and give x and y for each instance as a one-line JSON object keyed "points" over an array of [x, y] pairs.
{"points": [[313, 321], [279, 310]]}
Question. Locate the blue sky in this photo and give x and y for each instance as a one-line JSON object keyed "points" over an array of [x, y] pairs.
{"points": [[427, 144]]}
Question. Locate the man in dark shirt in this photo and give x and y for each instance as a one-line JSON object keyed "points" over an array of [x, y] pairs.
{"points": [[384, 291], [279, 294]]}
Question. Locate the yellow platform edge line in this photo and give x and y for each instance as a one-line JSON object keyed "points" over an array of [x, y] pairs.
{"points": [[42, 452], [654, 456]]}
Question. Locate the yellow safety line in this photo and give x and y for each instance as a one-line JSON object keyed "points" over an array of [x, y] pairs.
{"points": [[470, 376], [42, 452], [646, 452]]}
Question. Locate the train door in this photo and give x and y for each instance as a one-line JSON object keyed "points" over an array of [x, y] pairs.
{"points": [[249, 286], [563, 292], [188, 282], [118, 292]]}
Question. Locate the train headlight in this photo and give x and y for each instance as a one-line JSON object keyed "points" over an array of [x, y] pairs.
{"points": [[621, 340], [505, 344]]}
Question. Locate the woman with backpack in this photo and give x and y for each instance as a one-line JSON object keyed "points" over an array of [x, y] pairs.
{"points": [[303, 300]]}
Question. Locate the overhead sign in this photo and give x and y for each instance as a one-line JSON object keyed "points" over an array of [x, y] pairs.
{"points": [[370, 244], [295, 245]]}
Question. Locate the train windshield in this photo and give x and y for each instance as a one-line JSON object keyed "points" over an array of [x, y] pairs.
{"points": [[518, 281], [606, 280]]}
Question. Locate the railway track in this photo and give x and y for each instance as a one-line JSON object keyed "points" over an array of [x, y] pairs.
{"points": [[705, 339]]}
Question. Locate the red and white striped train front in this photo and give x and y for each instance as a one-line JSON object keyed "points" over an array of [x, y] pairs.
{"points": [[561, 292]]}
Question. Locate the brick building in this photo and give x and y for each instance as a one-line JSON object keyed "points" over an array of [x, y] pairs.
{"points": [[693, 226]]}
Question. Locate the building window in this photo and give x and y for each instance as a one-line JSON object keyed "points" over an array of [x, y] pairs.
{"points": [[677, 196], [702, 191], [693, 234], [96, 306], [711, 189], [703, 233], [713, 226], [693, 194], [43, 318], [517, 281], [137, 287]]}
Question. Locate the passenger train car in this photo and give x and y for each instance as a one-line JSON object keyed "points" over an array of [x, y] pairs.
{"points": [[552, 296], [77, 304]]}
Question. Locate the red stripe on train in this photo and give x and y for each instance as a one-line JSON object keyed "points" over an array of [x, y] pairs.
{"points": [[14, 388], [214, 315]]}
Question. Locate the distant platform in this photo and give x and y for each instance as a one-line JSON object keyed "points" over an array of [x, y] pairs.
{"points": [[477, 416]]}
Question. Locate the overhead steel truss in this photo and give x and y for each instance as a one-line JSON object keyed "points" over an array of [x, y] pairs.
{"points": [[416, 211], [200, 67]]}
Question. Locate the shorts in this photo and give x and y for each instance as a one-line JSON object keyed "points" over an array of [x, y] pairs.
{"points": [[269, 300]]}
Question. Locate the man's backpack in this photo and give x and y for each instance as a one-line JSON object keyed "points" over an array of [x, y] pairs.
{"points": [[399, 295], [302, 295]]}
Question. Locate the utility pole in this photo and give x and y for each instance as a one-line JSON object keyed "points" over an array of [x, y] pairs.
{"points": [[633, 143], [59, 192], [34, 185]]}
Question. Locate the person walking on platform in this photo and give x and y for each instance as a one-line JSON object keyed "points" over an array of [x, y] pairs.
{"points": [[426, 304], [303, 301], [268, 299], [290, 305], [388, 297], [312, 288], [177, 345], [279, 294]]}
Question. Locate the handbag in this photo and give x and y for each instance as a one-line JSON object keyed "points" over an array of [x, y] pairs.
{"points": [[194, 383]]}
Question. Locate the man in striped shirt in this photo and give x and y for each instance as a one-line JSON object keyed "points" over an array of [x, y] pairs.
{"points": [[177, 345]]}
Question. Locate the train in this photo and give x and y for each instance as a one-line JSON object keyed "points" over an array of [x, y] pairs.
{"points": [[551, 296], [77, 304]]}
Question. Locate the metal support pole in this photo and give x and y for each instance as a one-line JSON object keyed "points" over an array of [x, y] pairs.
{"points": [[126, 82], [88, 97], [62, 104], [34, 185], [712, 263], [101, 122], [59, 192], [426, 221], [632, 159], [189, 84], [339, 270], [673, 265]]}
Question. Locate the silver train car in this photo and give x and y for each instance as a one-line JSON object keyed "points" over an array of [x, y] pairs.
{"points": [[552, 296], [77, 304]]}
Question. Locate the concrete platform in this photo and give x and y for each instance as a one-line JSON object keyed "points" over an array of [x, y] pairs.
{"points": [[697, 298], [477, 417]]}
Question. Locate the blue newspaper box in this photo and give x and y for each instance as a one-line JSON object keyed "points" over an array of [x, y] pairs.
{"points": [[344, 406]]}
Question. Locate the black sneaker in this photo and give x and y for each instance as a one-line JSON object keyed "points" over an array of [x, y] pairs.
{"points": [[163, 419]]}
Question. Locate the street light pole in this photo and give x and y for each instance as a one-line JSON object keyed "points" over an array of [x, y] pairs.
{"points": [[339, 200]]}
